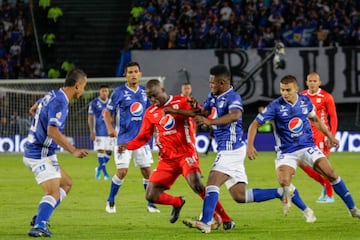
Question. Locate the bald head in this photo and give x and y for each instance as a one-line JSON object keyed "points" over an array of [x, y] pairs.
{"points": [[313, 82]]}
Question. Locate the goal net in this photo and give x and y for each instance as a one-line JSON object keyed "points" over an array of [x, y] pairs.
{"points": [[17, 96]]}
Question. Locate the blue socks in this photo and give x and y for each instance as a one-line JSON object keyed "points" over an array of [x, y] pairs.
{"points": [[211, 198], [341, 190], [261, 195], [46, 208], [296, 199], [114, 188], [62, 196]]}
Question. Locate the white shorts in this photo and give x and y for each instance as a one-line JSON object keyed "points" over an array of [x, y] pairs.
{"points": [[142, 157], [104, 143], [44, 169], [232, 163], [307, 155]]}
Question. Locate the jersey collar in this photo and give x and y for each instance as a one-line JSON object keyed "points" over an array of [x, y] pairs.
{"points": [[62, 91], [170, 99], [313, 94]]}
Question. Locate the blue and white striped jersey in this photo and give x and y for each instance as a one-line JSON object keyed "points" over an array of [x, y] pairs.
{"points": [[229, 136], [129, 107], [52, 110], [96, 108], [292, 129]]}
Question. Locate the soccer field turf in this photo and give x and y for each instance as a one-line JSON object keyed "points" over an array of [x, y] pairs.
{"points": [[82, 214]]}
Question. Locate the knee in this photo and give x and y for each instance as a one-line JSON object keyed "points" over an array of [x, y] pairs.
{"points": [[332, 176], [238, 194], [239, 198], [284, 182], [121, 173], [66, 184], [151, 196], [284, 179], [146, 171]]}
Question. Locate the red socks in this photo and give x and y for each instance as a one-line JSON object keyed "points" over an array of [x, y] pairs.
{"points": [[319, 178]]}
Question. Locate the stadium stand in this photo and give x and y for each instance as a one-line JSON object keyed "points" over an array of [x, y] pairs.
{"points": [[243, 24], [17, 46]]}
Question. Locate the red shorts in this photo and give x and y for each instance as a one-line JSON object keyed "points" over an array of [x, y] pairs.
{"points": [[168, 170]]}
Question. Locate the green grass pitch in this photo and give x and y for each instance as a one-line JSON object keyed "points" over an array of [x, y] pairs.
{"points": [[82, 214]]}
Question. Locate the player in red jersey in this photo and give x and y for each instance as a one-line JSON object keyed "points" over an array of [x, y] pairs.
{"points": [[325, 109], [167, 120]]}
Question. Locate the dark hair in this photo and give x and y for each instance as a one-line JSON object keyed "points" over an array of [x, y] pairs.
{"points": [[288, 79], [132, 64], [73, 76], [220, 70], [103, 86]]}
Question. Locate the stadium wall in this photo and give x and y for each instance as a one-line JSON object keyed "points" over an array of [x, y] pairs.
{"points": [[339, 68]]}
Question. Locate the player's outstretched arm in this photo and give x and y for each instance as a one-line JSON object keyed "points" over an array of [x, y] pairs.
{"points": [[60, 139], [232, 116], [188, 113]]}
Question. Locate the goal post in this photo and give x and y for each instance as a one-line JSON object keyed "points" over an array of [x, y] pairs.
{"points": [[18, 95]]}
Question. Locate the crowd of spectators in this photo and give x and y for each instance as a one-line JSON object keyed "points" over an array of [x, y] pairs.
{"points": [[17, 42], [243, 24]]}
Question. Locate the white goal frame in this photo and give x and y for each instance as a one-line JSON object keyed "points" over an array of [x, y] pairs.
{"points": [[20, 94]]}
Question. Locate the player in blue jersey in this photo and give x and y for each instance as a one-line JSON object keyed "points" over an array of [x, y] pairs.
{"points": [[103, 144], [224, 109], [128, 103], [45, 134], [290, 114]]}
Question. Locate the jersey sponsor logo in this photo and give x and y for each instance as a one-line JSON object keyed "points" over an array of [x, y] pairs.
{"points": [[295, 126], [167, 122], [213, 113], [136, 109]]}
